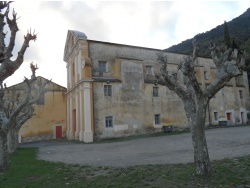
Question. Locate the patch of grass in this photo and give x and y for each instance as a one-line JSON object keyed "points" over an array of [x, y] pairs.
{"points": [[26, 171]]}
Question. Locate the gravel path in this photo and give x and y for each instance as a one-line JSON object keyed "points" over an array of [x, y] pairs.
{"points": [[173, 149]]}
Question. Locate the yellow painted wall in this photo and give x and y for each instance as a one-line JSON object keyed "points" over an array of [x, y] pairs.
{"points": [[47, 116], [52, 113]]}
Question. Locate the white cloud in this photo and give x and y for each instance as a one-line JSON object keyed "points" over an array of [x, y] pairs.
{"points": [[154, 24]]}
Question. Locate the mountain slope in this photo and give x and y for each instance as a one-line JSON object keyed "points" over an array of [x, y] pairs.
{"points": [[239, 29]]}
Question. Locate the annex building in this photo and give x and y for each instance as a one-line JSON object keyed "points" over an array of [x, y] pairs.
{"points": [[48, 121], [112, 91]]}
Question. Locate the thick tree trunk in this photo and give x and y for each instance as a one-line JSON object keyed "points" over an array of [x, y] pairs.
{"points": [[201, 155], [196, 119], [12, 140], [3, 152]]}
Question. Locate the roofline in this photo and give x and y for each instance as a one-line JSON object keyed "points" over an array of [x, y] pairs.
{"points": [[37, 77], [119, 44], [146, 48]]}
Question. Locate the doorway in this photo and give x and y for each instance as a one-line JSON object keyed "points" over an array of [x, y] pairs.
{"points": [[229, 116], [58, 132], [242, 117]]}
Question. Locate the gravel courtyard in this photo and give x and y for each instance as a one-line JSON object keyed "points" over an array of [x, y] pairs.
{"points": [[172, 149]]}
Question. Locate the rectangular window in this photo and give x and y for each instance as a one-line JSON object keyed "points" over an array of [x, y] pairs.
{"points": [[206, 76], [239, 80], [157, 119], [107, 90], [216, 116], [108, 121], [155, 91], [241, 94], [102, 66], [149, 70]]}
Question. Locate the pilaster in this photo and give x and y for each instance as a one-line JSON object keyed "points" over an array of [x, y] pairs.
{"points": [[77, 115], [81, 133], [70, 118], [88, 134]]}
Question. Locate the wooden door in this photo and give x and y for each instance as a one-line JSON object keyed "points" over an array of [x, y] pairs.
{"points": [[58, 132], [228, 116]]}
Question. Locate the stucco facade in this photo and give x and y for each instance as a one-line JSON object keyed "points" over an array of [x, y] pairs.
{"points": [[49, 119], [116, 84]]}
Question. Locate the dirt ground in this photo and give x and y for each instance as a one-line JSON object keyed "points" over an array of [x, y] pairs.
{"points": [[170, 149]]}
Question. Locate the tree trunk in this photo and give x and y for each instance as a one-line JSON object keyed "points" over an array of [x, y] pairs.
{"points": [[12, 140], [196, 118], [3, 151]]}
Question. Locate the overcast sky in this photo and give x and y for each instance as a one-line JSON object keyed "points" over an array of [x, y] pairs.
{"points": [[153, 24]]}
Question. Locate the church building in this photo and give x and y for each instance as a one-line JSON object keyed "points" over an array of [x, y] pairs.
{"points": [[112, 91]]}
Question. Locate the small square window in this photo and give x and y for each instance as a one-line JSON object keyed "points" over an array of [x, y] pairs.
{"points": [[102, 66], [108, 121], [157, 119], [155, 92], [107, 90], [241, 94], [216, 116]]}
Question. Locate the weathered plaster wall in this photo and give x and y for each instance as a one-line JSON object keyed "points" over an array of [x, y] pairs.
{"points": [[132, 104]]}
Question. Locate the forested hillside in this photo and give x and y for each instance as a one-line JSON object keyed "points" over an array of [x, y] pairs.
{"points": [[239, 30]]}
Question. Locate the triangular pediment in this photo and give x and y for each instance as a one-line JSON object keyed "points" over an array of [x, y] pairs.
{"points": [[72, 38], [51, 86]]}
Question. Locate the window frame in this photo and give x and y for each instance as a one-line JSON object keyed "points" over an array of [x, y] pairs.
{"points": [[149, 70], [102, 68], [239, 80], [157, 119], [107, 90], [206, 75], [155, 91], [216, 116], [109, 122], [241, 94]]}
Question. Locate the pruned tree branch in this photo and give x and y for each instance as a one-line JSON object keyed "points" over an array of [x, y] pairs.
{"points": [[7, 124], [187, 67], [8, 67], [27, 114], [229, 63], [164, 78], [13, 28], [22, 110]]}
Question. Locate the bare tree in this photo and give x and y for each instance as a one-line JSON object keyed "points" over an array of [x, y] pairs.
{"points": [[8, 67], [34, 91], [229, 64], [16, 113]]}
